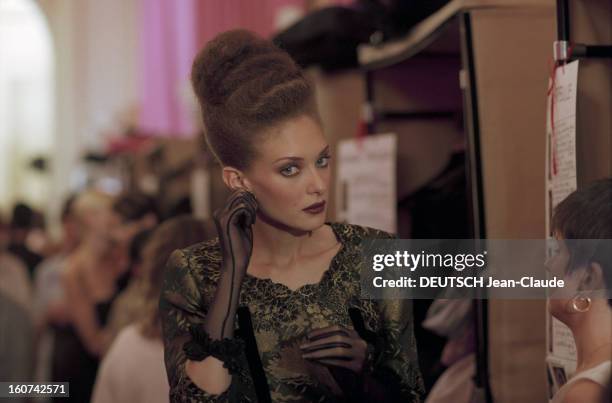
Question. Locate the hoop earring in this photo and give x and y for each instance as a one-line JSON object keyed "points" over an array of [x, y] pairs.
{"points": [[575, 306]]}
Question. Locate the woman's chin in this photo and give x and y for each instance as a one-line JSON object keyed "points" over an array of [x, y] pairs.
{"points": [[298, 224], [302, 227], [306, 224], [313, 222]]}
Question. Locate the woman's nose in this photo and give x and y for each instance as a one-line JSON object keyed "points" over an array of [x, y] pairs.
{"points": [[317, 183], [548, 265]]}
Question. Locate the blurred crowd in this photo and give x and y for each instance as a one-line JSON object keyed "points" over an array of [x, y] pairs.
{"points": [[84, 310]]}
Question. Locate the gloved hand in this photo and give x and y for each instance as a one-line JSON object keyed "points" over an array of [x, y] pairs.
{"points": [[233, 223], [336, 346]]}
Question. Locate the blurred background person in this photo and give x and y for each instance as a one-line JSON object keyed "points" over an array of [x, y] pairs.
{"points": [[3, 233], [90, 286], [49, 301], [16, 342], [585, 214], [138, 215], [129, 305], [14, 277], [16, 322], [452, 319], [22, 223], [137, 211], [133, 370]]}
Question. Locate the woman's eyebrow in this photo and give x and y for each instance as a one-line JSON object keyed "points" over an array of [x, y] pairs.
{"points": [[324, 151], [290, 158]]}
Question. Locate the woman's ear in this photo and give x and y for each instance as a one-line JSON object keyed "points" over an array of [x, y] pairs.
{"points": [[593, 280], [234, 179]]}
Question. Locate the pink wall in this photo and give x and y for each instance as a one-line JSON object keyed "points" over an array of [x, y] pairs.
{"points": [[172, 32], [217, 16], [167, 42]]}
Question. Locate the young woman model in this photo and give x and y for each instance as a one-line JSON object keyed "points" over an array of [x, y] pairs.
{"points": [[585, 266], [286, 279]]}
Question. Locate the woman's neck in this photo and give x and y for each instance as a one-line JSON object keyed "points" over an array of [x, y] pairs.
{"points": [[593, 336], [94, 245], [278, 246]]}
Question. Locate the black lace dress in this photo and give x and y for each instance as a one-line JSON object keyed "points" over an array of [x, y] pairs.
{"points": [[281, 318]]}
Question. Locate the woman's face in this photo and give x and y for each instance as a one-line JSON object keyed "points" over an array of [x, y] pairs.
{"points": [[291, 173], [101, 221]]}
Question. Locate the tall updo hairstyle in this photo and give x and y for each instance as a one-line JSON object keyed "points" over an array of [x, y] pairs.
{"points": [[246, 84]]}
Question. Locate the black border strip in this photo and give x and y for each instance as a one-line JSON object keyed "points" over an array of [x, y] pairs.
{"points": [[481, 306]]}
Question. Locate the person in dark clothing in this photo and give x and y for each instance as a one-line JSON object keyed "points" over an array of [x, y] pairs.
{"points": [[90, 284], [21, 224], [138, 214], [16, 343]]}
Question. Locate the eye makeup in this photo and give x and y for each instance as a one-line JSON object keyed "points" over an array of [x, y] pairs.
{"points": [[293, 168]]}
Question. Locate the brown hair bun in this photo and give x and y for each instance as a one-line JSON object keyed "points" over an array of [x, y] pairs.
{"points": [[245, 84]]}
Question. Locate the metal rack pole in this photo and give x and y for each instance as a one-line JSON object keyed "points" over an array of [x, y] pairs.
{"points": [[564, 50], [563, 26], [480, 304]]}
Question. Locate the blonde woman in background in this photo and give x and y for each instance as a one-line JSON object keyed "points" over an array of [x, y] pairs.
{"points": [[133, 370], [89, 281]]}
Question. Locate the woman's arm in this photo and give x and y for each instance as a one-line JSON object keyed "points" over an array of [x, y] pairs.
{"points": [[584, 391], [203, 348], [182, 307], [387, 367], [210, 373], [83, 315], [349, 355], [396, 366], [394, 374]]}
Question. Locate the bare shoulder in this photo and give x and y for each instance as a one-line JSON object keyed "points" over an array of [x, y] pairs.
{"points": [[11, 262], [584, 391], [70, 274], [74, 281]]}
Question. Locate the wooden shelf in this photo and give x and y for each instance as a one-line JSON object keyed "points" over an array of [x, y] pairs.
{"points": [[435, 36]]}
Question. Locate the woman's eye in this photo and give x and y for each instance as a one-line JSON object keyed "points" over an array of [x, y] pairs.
{"points": [[289, 171], [323, 161]]}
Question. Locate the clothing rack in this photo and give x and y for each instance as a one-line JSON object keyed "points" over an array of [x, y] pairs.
{"points": [[451, 18], [372, 115], [564, 50]]}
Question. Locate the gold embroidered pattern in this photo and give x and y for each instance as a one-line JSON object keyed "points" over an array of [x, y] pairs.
{"points": [[281, 318]]}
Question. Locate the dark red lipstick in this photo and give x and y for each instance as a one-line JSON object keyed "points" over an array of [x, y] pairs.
{"points": [[315, 208]]}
